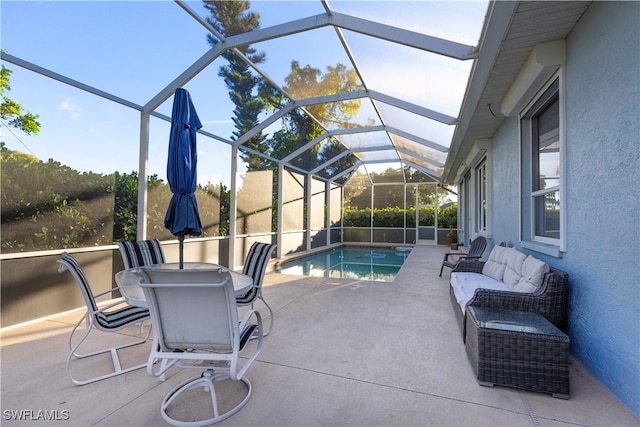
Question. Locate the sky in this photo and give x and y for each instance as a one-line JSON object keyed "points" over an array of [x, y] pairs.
{"points": [[135, 49]]}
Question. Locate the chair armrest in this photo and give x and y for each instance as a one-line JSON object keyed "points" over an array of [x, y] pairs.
{"points": [[450, 253], [96, 296], [114, 301], [470, 266]]}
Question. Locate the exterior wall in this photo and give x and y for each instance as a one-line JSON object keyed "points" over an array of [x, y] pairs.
{"points": [[602, 200], [603, 158], [504, 185]]}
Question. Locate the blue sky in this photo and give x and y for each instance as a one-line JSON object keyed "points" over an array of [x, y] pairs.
{"points": [[135, 49]]}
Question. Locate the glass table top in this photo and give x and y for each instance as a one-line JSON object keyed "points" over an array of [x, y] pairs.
{"points": [[511, 320]]}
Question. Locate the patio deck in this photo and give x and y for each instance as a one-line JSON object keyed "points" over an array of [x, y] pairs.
{"points": [[341, 353]]}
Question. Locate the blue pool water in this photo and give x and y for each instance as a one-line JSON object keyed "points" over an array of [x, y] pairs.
{"points": [[349, 263]]}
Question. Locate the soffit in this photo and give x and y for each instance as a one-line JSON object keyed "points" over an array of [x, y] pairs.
{"points": [[531, 24]]}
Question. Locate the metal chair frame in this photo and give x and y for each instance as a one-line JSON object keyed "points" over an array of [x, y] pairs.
{"points": [[195, 319], [103, 319]]}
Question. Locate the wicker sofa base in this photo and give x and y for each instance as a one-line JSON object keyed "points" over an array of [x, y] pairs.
{"points": [[530, 361], [460, 317], [549, 301]]}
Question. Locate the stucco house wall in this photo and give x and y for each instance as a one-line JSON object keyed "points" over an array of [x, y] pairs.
{"points": [[504, 189], [602, 178]]}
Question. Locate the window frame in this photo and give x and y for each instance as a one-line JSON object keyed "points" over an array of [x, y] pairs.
{"points": [[551, 91], [469, 199], [481, 197]]}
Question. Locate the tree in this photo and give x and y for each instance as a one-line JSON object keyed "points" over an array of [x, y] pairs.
{"points": [[125, 212], [302, 127], [231, 17], [330, 150], [47, 205], [217, 195], [12, 111]]}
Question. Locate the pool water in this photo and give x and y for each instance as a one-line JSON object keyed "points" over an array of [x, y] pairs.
{"points": [[377, 264]]}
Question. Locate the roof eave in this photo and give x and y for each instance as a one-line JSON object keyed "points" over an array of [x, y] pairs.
{"points": [[512, 31], [497, 23]]}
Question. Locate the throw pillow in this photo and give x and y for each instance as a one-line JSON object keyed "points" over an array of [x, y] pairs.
{"points": [[513, 271], [495, 265], [533, 270]]}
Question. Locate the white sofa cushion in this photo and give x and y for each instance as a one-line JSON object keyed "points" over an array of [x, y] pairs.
{"points": [[533, 271], [464, 285], [497, 262], [513, 271]]}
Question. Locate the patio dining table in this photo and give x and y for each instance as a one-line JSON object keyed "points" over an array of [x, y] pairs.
{"points": [[129, 286]]}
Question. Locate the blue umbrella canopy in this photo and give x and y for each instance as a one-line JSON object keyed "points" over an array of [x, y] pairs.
{"points": [[182, 216]]}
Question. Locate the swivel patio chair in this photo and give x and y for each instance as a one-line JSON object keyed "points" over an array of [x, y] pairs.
{"points": [[475, 252], [141, 252], [105, 319], [195, 319], [255, 266]]}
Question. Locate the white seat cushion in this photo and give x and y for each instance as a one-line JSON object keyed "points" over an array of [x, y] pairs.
{"points": [[465, 284]]}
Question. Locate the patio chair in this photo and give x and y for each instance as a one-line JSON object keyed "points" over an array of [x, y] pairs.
{"points": [[255, 266], [105, 319], [195, 319], [475, 252], [141, 252]]}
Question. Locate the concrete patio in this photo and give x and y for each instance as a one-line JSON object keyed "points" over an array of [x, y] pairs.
{"points": [[342, 353]]}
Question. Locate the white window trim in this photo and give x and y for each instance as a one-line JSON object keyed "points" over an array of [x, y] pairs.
{"points": [[480, 152], [481, 168], [546, 245], [545, 63]]}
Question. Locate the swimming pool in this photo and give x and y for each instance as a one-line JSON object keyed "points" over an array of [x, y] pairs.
{"points": [[379, 264]]}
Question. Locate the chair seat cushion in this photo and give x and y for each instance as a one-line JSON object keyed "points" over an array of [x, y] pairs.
{"points": [[246, 334], [248, 297], [123, 316]]}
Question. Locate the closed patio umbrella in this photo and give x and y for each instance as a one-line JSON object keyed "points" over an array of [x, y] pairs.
{"points": [[182, 216]]}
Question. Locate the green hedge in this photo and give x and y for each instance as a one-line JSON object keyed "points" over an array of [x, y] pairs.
{"points": [[394, 217]]}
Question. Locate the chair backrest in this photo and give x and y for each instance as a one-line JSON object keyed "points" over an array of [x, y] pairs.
{"points": [[255, 266], [477, 247], [192, 309], [141, 253], [69, 263]]}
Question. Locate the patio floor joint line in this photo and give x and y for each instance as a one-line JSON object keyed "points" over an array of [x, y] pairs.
{"points": [[424, 393]]}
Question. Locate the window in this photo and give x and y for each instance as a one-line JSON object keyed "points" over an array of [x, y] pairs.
{"points": [[481, 196], [542, 168], [546, 167]]}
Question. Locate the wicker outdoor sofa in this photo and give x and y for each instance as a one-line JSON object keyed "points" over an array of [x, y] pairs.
{"points": [[547, 296]]}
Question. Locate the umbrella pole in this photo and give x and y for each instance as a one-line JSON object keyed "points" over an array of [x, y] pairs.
{"points": [[181, 240]]}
